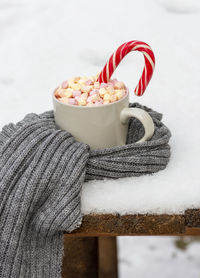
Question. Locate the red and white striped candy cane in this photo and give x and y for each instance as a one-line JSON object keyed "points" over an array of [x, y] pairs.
{"points": [[120, 53]]}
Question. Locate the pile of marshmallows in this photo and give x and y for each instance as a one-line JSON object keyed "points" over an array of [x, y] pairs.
{"points": [[84, 91]]}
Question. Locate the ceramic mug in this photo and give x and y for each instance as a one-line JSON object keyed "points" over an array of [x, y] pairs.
{"points": [[102, 126]]}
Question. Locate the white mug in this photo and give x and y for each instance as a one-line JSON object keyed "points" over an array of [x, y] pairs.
{"points": [[102, 126]]}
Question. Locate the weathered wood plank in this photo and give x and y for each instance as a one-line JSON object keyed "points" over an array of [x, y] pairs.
{"points": [[80, 257], [192, 218], [116, 225], [108, 257], [192, 231]]}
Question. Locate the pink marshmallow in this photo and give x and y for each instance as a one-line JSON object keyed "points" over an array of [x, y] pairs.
{"points": [[114, 81], [103, 85], [77, 98], [110, 84], [98, 103], [76, 93], [93, 92], [89, 99], [89, 82], [65, 84], [72, 101]]}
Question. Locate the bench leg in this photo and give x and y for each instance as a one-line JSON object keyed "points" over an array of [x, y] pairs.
{"points": [[80, 257], [108, 257]]}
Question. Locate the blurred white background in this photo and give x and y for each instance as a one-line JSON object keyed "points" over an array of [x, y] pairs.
{"points": [[45, 42]]}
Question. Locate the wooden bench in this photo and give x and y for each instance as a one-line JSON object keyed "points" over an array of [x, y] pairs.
{"points": [[91, 250]]}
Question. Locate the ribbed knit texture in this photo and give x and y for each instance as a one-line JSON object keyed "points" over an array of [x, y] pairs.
{"points": [[42, 170]]}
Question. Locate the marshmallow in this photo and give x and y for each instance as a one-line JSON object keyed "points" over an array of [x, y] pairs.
{"points": [[76, 93], [98, 103], [84, 96], [56, 94], [119, 94], [94, 92], [102, 92], [76, 79], [89, 99], [119, 85], [82, 102], [84, 91], [89, 82], [64, 100], [77, 98], [103, 85], [94, 97], [90, 104], [110, 89], [82, 81], [76, 86], [64, 84], [70, 82], [107, 97], [109, 84], [68, 92], [61, 92], [96, 85], [114, 81], [93, 78], [72, 101], [113, 98]]}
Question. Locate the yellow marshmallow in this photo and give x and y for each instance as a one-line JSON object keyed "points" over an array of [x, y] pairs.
{"points": [[86, 89], [70, 82], [94, 97], [110, 90], [64, 99], [90, 104], [76, 79], [93, 78], [60, 92], [119, 85], [82, 102], [81, 81], [102, 92], [96, 85], [76, 86], [84, 95], [106, 102], [119, 94], [107, 97], [68, 94], [113, 98], [69, 90], [65, 92]]}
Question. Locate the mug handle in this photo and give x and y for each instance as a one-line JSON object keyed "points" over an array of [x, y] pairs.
{"points": [[143, 117]]}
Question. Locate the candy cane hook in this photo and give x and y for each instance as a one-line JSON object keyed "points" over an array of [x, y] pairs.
{"points": [[120, 53]]}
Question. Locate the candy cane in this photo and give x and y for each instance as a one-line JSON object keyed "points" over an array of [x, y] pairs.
{"points": [[120, 53]]}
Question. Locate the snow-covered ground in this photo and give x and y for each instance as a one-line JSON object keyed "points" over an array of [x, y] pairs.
{"points": [[44, 42], [159, 257]]}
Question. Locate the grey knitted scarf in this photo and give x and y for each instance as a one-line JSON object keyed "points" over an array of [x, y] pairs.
{"points": [[42, 170]]}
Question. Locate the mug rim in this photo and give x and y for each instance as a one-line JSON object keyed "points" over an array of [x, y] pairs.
{"points": [[85, 107]]}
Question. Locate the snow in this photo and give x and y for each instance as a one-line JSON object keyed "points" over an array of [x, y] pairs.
{"points": [[143, 257], [45, 42]]}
